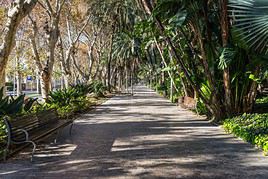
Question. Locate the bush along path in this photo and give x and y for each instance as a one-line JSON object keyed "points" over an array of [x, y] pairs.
{"points": [[252, 128], [142, 136]]}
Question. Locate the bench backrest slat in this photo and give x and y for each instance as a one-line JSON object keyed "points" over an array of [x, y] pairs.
{"points": [[27, 123], [30, 123]]}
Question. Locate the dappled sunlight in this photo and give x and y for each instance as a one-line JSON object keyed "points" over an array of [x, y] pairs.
{"points": [[149, 142], [56, 151]]}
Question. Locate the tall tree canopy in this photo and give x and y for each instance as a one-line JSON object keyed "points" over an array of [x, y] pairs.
{"points": [[213, 51]]}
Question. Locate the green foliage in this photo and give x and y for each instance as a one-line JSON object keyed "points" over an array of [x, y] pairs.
{"points": [[98, 88], [178, 19], [28, 104], [250, 19], [252, 128], [201, 107], [39, 107], [66, 102], [2, 136], [83, 89], [13, 106], [74, 99], [79, 105], [61, 98], [263, 100], [205, 89], [261, 105], [226, 58], [161, 89]]}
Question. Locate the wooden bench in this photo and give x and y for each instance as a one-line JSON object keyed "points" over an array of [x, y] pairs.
{"points": [[188, 103], [31, 129]]}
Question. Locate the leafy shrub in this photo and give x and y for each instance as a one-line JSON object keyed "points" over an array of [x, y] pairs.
{"points": [[69, 101], [175, 97], [13, 106], [98, 88], [39, 107], [63, 97], [261, 105], [83, 89], [252, 128], [161, 89], [2, 137], [263, 100], [201, 107]]}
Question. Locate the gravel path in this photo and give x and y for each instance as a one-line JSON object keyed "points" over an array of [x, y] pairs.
{"points": [[144, 136]]}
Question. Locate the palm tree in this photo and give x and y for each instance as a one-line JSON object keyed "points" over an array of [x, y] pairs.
{"points": [[218, 60], [126, 51]]}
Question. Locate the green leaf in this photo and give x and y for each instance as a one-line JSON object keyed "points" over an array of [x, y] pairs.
{"points": [[254, 78], [250, 20], [29, 103], [179, 19], [226, 58]]}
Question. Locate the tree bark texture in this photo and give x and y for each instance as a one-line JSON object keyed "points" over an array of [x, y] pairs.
{"points": [[226, 71]]}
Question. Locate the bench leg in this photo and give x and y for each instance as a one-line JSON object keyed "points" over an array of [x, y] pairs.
{"points": [[5, 154], [6, 150], [33, 151], [58, 133], [70, 130]]}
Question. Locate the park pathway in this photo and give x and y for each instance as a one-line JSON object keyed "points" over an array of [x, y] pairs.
{"points": [[142, 136]]}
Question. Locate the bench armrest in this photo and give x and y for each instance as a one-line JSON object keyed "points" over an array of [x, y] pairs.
{"points": [[26, 134]]}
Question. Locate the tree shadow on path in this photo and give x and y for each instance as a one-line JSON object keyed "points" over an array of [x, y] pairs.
{"points": [[143, 144]]}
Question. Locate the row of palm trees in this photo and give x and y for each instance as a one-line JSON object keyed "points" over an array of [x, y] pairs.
{"points": [[214, 51], [218, 49]]}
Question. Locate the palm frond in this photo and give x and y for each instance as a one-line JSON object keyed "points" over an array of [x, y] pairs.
{"points": [[250, 18]]}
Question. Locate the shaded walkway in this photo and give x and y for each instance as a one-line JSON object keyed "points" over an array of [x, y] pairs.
{"points": [[144, 136]]}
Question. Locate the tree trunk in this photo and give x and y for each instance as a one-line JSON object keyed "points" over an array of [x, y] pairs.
{"points": [[171, 90], [226, 71], [19, 9], [3, 79], [19, 83], [249, 100], [110, 61], [52, 35], [46, 84], [126, 83], [38, 84], [132, 78], [120, 79], [18, 75], [115, 78], [67, 80], [131, 82], [165, 63]]}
